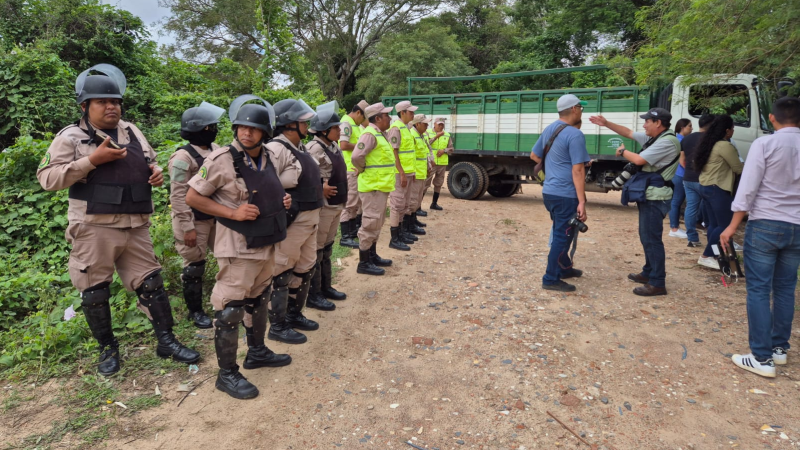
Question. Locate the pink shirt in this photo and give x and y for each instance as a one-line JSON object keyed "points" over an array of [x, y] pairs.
{"points": [[770, 185]]}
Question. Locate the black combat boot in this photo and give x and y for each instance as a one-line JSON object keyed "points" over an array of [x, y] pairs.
{"points": [[280, 329], [421, 213], [365, 264], [192, 278], [327, 274], [355, 225], [298, 299], [152, 296], [377, 260], [434, 203], [405, 234], [226, 342], [97, 310], [416, 220], [347, 238], [258, 354], [412, 227], [396, 243], [357, 221]]}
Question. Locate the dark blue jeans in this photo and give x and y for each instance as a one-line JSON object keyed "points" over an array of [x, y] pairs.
{"points": [[692, 213], [770, 262], [561, 210], [678, 196], [651, 228], [717, 202]]}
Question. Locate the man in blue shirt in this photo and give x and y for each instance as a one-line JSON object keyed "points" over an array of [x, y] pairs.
{"points": [[563, 191]]}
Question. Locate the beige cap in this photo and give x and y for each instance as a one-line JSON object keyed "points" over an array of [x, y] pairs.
{"points": [[405, 106], [439, 120], [375, 109], [420, 118], [363, 105]]}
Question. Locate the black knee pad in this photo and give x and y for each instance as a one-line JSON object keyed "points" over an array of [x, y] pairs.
{"points": [[304, 277], [282, 281], [230, 317], [96, 295], [153, 283], [194, 270], [251, 304]]}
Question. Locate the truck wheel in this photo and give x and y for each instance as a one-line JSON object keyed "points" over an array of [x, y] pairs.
{"points": [[501, 190], [467, 181]]}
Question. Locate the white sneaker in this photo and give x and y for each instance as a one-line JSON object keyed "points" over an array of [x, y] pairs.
{"points": [[709, 262], [779, 356], [678, 234], [751, 364], [738, 247]]}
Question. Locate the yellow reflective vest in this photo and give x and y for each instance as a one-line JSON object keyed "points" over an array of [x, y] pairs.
{"points": [[379, 170], [354, 135], [421, 152], [440, 144], [407, 147]]}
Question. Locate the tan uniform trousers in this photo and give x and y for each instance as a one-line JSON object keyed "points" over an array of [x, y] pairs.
{"points": [[205, 240], [438, 177], [374, 206], [399, 199], [98, 251], [299, 250], [240, 278], [415, 199], [328, 224], [353, 204]]}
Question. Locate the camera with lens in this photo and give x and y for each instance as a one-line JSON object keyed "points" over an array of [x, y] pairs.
{"points": [[628, 171], [580, 226]]}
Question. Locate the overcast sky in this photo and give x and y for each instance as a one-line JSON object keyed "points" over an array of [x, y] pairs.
{"points": [[148, 11]]}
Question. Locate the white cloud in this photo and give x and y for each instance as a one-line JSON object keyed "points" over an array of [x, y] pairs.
{"points": [[149, 12]]}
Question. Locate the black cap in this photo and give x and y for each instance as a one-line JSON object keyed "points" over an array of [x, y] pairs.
{"points": [[657, 114]]}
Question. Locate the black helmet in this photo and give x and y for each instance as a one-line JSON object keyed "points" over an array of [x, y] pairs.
{"points": [[110, 85], [195, 119], [291, 110], [253, 115], [327, 117]]}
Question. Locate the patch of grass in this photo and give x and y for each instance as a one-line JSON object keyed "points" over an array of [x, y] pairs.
{"points": [[143, 402], [338, 252], [509, 222]]}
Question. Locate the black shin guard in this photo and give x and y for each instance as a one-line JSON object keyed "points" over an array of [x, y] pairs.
{"points": [[97, 310], [154, 298], [327, 275], [280, 329]]}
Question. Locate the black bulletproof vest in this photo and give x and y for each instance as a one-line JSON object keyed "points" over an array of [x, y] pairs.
{"points": [[265, 191], [198, 215], [338, 178], [308, 193], [120, 186]]}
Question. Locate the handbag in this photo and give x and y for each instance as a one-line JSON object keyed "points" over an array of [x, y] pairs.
{"points": [[538, 169]]}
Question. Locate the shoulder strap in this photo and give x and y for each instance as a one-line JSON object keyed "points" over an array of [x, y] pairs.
{"points": [[192, 152], [550, 141]]}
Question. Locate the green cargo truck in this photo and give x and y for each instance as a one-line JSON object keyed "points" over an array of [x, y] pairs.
{"points": [[493, 132]]}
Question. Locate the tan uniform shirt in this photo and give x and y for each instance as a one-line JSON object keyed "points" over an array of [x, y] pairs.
{"points": [[317, 149], [359, 157], [394, 137], [182, 167], [67, 163], [218, 181], [286, 165]]}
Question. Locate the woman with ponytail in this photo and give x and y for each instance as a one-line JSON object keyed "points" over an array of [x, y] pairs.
{"points": [[718, 163]]}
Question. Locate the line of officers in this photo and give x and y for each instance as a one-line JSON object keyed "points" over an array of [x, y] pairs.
{"points": [[267, 205]]}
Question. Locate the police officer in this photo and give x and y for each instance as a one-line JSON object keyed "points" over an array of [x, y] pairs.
{"points": [[350, 132], [296, 256], [442, 147], [238, 186], [401, 140], [419, 127], [375, 162], [193, 230], [109, 168], [333, 170]]}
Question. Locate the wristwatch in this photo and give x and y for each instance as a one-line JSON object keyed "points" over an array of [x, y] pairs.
{"points": [[622, 151]]}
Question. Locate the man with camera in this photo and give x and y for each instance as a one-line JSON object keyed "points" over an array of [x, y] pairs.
{"points": [[652, 193], [563, 148]]}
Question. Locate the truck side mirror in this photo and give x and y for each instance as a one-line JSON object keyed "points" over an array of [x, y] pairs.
{"points": [[783, 87]]}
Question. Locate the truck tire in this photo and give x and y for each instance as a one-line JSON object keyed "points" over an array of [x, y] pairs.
{"points": [[467, 181], [485, 177], [501, 190]]}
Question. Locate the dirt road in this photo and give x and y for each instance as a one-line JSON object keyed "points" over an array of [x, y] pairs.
{"points": [[497, 353]]}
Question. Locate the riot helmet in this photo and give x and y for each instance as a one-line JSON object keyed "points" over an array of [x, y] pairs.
{"points": [[111, 84], [327, 117], [199, 124], [290, 111], [252, 115]]}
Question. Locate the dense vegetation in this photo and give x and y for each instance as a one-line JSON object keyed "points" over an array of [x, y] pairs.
{"points": [[317, 50]]}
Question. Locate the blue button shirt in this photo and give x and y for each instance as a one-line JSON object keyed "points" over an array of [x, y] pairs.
{"points": [[568, 149]]}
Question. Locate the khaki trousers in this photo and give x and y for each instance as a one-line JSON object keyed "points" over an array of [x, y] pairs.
{"points": [[374, 205], [328, 224], [438, 177], [353, 203], [415, 200], [240, 278], [299, 250], [98, 251], [399, 199], [205, 240]]}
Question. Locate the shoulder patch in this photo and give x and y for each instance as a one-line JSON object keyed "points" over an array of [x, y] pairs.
{"points": [[203, 172], [394, 139], [45, 161], [180, 164], [361, 146]]}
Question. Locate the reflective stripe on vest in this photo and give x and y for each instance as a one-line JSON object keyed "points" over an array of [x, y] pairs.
{"points": [[407, 147], [378, 174], [421, 154], [440, 144], [355, 133]]}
